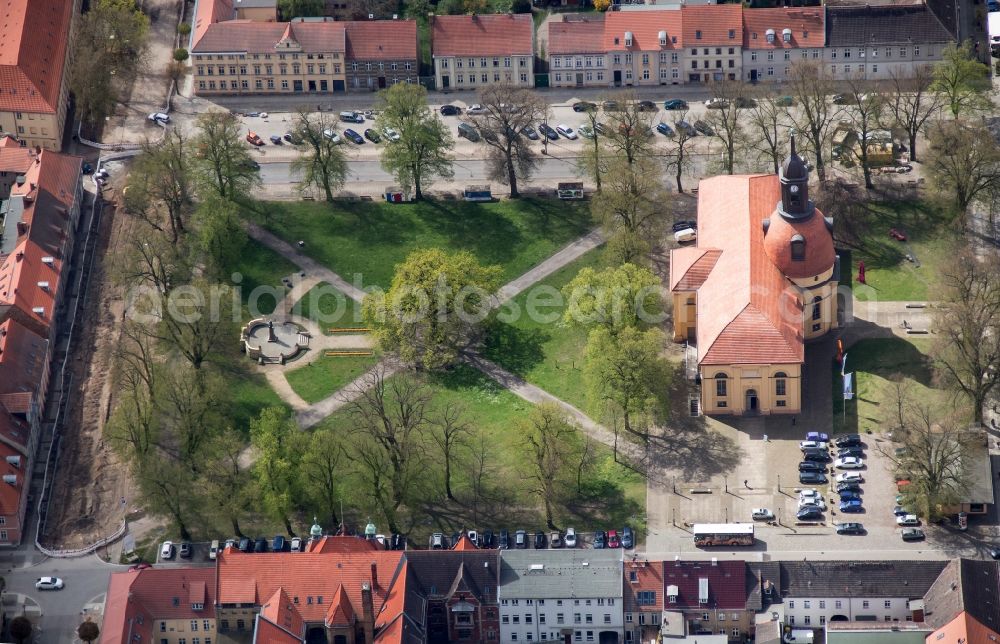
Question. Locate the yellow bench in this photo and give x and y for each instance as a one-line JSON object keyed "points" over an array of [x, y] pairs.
{"points": [[338, 354]]}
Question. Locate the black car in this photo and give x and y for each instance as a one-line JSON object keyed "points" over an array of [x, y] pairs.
{"points": [[685, 127], [548, 132], [675, 104], [600, 540], [185, 550], [995, 552], [816, 456], [504, 540], [245, 545], [646, 106], [853, 450], [611, 106], [529, 132], [809, 513], [811, 466], [850, 528], [372, 135], [584, 106], [744, 102], [278, 545], [354, 136], [847, 440], [250, 163], [684, 225], [704, 128], [848, 486], [397, 541], [487, 539], [260, 545], [293, 138], [628, 538], [812, 478], [842, 99], [449, 110], [539, 540], [600, 128]]}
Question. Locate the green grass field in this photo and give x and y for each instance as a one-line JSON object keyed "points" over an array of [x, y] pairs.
{"points": [[258, 276], [888, 274], [329, 308], [317, 380], [369, 238], [547, 353]]}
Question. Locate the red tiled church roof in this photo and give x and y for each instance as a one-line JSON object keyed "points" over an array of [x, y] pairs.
{"points": [[33, 42]]}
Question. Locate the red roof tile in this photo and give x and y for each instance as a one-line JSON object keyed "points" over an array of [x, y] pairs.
{"points": [[264, 37], [14, 432], [154, 593], [341, 613], [690, 267], [715, 24], [24, 363], [382, 40], [267, 632], [209, 13], [643, 576], [464, 543], [33, 40], [29, 283], [806, 25], [576, 37], [645, 27], [280, 610], [726, 584], [819, 253], [342, 543], [14, 158], [123, 615], [489, 35]]}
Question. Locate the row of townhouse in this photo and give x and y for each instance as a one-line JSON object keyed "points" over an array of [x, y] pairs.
{"points": [[706, 43], [40, 198]]}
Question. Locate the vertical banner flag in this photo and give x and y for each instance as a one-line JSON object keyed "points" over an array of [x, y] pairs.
{"points": [[848, 387]]}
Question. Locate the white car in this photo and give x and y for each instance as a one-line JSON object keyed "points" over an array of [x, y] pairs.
{"points": [[813, 503], [569, 539], [158, 117], [263, 115], [850, 476], [761, 514], [566, 131], [715, 103], [809, 493], [49, 583], [475, 108], [332, 135], [685, 235], [167, 550], [390, 134], [849, 463], [812, 445], [908, 519], [297, 544]]}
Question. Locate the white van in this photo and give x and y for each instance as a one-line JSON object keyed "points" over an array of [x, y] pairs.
{"points": [[213, 550]]}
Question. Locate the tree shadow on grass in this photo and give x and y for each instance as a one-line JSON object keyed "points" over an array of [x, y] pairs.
{"points": [[484, 232], [517, 350], [890, 358]]}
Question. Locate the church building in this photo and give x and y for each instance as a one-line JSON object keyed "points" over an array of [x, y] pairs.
{"points": [[760, 282]]}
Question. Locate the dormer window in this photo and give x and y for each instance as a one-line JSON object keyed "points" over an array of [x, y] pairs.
{"points": [[770, 35], [798, 244], [697, 35], [732, 34]]}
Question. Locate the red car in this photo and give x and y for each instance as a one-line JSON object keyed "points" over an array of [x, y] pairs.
{"points": [[614, 540], [140, 566], [897, 234]]}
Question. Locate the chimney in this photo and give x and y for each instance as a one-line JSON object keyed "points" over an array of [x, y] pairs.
{"points": [[374, 575], [368, 612]]}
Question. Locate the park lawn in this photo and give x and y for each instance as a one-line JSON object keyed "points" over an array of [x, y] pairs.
{"points": [[546, 353], [258, 273], [369, 239], [330, 308], [932, 240], [875, 364], [321, 378]]}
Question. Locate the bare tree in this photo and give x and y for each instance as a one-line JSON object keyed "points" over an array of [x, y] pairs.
{"points": [[849, 206], [506, 111], [225, 481], [679, 150], [968, 327], [629, 129], [322, 470], [224, 162], [768, 124], [550, 440], [630, 208], [450, 431], [197, 320], [814, 114], [725, 119], [911, 103], [964, 162], [161, 178], [323, 162], [866, 116], [595, 160]]}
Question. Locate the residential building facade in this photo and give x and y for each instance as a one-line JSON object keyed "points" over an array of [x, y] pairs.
{"points": [[472, 52], [381, 53], [882, 41], [644, 47], [773, 39], [576, 57], [548, 595], [34, 61], [706, 598], [161, 606], [643, 599], [713, 42]]}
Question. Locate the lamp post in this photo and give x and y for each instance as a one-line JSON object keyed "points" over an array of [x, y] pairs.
{"points": [[779, 482]]}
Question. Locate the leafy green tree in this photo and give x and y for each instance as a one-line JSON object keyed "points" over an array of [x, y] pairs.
{"points": [[614, 298], [630, 207], [963, 163], [220, 236], [322, 473], [161, 180], [961, 80], [88, 631], [323, 163], [434, 308], [551, 442], [301, 8], [109, 49], [272, 436], [423, 150], [225, 166], [20, 629], [226, 483], [168, 487], [627, 376], [196, 320]]}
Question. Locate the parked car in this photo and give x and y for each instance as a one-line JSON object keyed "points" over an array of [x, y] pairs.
{"points": [[743, 102], [811, 466], [820, 437], [449, 110], [848, 440], [539, 540], [614, 541], [842, 99], [354, 137], [390, 134], [555, 539], [437, 541], [584, 106], [372, 135], [293, 138], [529, 132], [167, 550], [685, 235], [646, 106], [809, 493], [142, 565], [297, 543], [570, 538], [900, 511], [853, 450], [49, 583], [332, 135], [812, 445], [548, 132], [245, 544], [275, 139], [600, 128], [488, 539], [685, 223], [812, 478], [812, 503], [785, 101], [611, 106], [158, 117], [761, 514], [853, 505], [912, 534], [278, 544], [848, 486], [260, 545], [351, 116], [850, 476], [665, 129], [816, 456], [704, 128], [521, 539], [908, 519], [254, 139], [566, 131], [585, 131], [675, 104], [810, 513], [475, 108], [716, 103], [504, 539], [467, 131], [995, 552], [849, 495], [628, 538], [185, 550], [850, 528], [600, 540], [849, 463]]}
